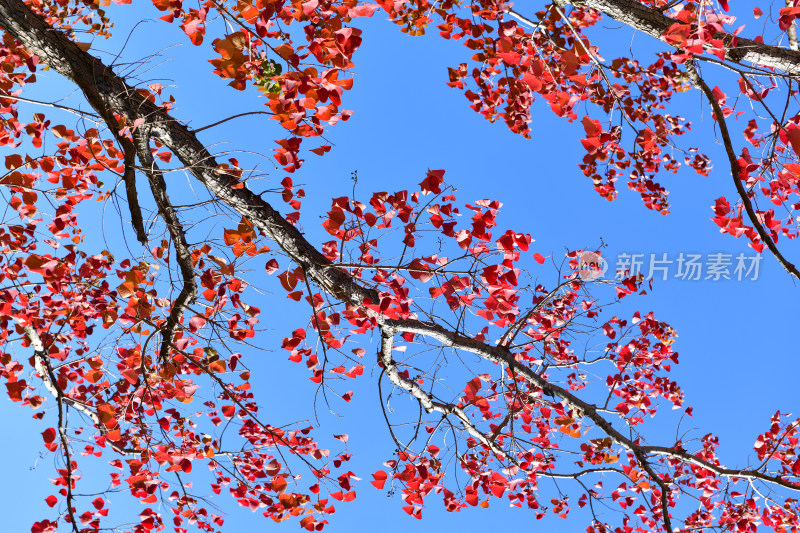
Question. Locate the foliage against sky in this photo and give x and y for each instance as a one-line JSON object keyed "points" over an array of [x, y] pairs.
{"points": [[139, 355]]}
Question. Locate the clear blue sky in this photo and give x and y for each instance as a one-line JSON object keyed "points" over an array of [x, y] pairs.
{"points": [[736, 339]]}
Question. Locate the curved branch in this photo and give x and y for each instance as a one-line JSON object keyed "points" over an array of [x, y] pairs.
{"points": [[503, 356], [41, 362], [188, 292], [224, 120], [734, 164], [426, 400]]}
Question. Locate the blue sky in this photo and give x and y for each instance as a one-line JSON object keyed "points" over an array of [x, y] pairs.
{"points": [[736, 339]]}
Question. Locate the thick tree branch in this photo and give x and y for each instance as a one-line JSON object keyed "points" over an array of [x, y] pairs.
{"points": [[183, 256], [743, 473], [107, 92], [503, 356], [654, 23]]}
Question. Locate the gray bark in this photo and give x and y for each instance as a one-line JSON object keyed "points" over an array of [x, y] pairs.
{"points": [[654, 23]]}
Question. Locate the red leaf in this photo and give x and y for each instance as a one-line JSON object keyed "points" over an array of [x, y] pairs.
{"points": [[49, 435], [379, 479], [322, 149], [366, 10], [592, 127], [432, 182], [13, 161], [271, 266], [791, 136], [196, 323], [15, 389], [414, 511]]}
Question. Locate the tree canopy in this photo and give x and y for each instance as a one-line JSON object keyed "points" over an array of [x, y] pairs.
{"points": [[504, 373]]}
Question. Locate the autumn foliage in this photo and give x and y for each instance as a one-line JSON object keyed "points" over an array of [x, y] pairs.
{"points": [[137, 360]]}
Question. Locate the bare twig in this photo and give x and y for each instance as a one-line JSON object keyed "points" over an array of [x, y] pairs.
{"points": [[83, 114], [224, 120]]}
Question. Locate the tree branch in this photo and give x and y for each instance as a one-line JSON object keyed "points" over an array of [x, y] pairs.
{"points": [[83, 114], [734, 165], [106, 91], [41, 362], [427, 401], [224, 120], [62, 433], [183, 256], [130, 186], [654, 23], [501, 355]]}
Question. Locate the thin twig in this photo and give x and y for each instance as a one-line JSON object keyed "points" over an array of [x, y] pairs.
{"points": [[198, 130]]}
